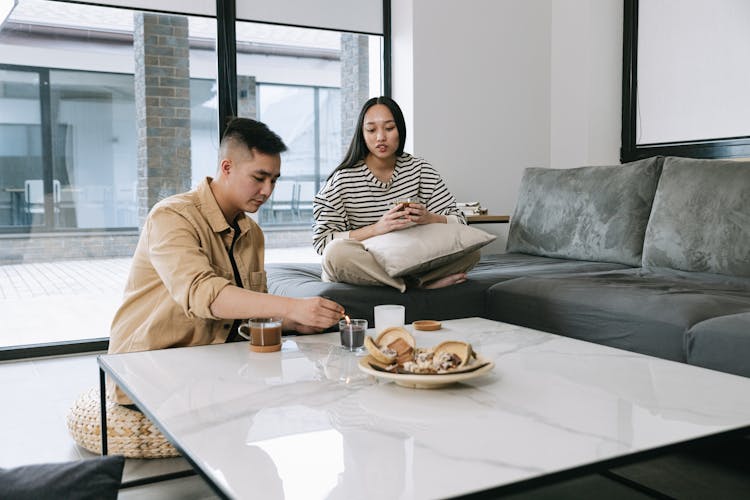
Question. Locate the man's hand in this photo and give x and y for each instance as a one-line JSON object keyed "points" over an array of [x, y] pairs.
{"points": [[312, 315], [291, 326]]}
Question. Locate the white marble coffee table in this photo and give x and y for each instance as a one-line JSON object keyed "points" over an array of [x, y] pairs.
{"points": [[307, 423]]}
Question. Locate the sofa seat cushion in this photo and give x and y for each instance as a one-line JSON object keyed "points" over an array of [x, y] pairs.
{"points": [[460, 301], [512, 265], [721, 343], [701, 217], [303, 280], [587, 213], [642, 310]]}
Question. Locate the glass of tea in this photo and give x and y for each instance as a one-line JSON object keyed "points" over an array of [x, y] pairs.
{"points": [[264, 334]]}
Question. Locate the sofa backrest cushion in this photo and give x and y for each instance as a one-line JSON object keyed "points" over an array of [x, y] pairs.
{"points": [[587, 213], [701, 217]]}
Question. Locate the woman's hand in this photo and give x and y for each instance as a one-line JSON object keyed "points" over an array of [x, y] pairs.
{"points": [[418, 213], [397, 218], [394, 219]]}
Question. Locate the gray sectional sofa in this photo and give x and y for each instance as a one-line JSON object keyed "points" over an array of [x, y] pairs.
{"points": [[651, 256]]}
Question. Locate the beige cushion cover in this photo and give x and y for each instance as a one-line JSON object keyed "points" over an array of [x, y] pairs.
{"points": [[420, 248]]}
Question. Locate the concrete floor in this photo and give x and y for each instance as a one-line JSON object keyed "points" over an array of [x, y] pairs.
{"points": [[37, 395]]}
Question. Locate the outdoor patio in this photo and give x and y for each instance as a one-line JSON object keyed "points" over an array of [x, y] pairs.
{"points": [[76, 299]]}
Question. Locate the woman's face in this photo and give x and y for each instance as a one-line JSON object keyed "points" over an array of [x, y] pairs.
{"points": [[381, 134]]}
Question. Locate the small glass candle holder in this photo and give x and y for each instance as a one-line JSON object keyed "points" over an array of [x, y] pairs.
{"points": [[353, 334]]}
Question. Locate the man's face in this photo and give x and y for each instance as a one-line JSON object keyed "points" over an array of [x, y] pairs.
{"points": [[252, 177]]}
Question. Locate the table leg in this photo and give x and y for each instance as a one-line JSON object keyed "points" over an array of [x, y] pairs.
{"points": [[103, 409], [146, 480]]}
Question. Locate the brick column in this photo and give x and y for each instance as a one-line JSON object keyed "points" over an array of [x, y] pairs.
{"points": [[162, 103], [355, 83], [246, 97]]}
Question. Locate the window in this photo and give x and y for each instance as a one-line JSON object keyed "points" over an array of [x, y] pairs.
{"points": [[309, 120], [684, 93], [106, 110], [308, 82], [73, 77]]}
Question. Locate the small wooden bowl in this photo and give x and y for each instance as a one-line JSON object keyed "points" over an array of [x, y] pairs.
{"points": [[427, 325]]}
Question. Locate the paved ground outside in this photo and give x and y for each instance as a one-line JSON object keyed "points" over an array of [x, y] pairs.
{"points": [[72, 300]]}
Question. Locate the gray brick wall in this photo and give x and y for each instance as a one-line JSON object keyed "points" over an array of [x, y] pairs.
{"points": [[355, 83], [246, 97], [50, 247], [162, 103], [46, 247]]}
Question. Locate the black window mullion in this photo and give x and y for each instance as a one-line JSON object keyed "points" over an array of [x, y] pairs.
{"points": [[45, 105], [387, 48], [226, 52]]}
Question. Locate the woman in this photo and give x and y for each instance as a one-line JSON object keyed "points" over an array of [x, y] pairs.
{"points": [[358, 202]]}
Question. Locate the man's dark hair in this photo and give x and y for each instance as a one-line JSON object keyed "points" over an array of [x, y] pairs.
{"points": [[253, 134]]}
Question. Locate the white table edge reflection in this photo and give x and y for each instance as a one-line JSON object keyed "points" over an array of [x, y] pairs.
{"points": [[553, 407]]}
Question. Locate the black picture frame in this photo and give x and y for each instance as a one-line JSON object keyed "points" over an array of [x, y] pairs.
{"points": [[727, 147]]}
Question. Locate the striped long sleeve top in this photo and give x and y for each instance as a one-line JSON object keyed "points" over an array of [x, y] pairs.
{"points": [[353, 198]]}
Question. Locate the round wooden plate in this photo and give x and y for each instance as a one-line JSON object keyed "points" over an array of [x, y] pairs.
{"points": [[431, 381], [427, 325]]}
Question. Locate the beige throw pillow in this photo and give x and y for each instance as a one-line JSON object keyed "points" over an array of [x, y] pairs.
{"points": [[418, 249]]}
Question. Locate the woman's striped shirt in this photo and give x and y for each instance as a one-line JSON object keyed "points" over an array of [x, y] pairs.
{"points": [[353, 197]]}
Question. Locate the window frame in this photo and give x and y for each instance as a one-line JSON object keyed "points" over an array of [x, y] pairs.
{"points": [[46, 125], [724, 147], [226, 55]]}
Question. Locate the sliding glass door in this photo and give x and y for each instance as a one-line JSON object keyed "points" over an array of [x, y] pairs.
{"points": [[22, 186]]}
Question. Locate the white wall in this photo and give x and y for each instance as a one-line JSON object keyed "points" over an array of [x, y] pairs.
{"points": [[499, 85], [586, 85]]}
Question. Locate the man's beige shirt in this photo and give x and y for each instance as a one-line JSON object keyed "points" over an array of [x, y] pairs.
{"points": [[180, 265]]}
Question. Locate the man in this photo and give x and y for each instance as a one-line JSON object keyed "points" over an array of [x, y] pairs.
{"points": [[198, 267]]}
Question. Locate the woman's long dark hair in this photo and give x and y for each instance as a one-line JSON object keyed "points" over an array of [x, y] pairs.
{"points": [[358, 148]]}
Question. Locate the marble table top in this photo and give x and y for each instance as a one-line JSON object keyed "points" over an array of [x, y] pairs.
{"points": [[307, 423]]}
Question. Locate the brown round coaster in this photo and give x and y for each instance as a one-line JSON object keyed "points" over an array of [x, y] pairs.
{"points": [[427, 325], [265, 348]]}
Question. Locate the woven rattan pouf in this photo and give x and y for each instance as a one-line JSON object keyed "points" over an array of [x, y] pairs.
{"points": [[129, 432]]}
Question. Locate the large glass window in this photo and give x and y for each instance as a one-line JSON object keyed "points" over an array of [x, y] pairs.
{"points": [[74, 169], [20, 147], [309, 87], [75, 154], [93, 149], [105, 111], [309, 120]]}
